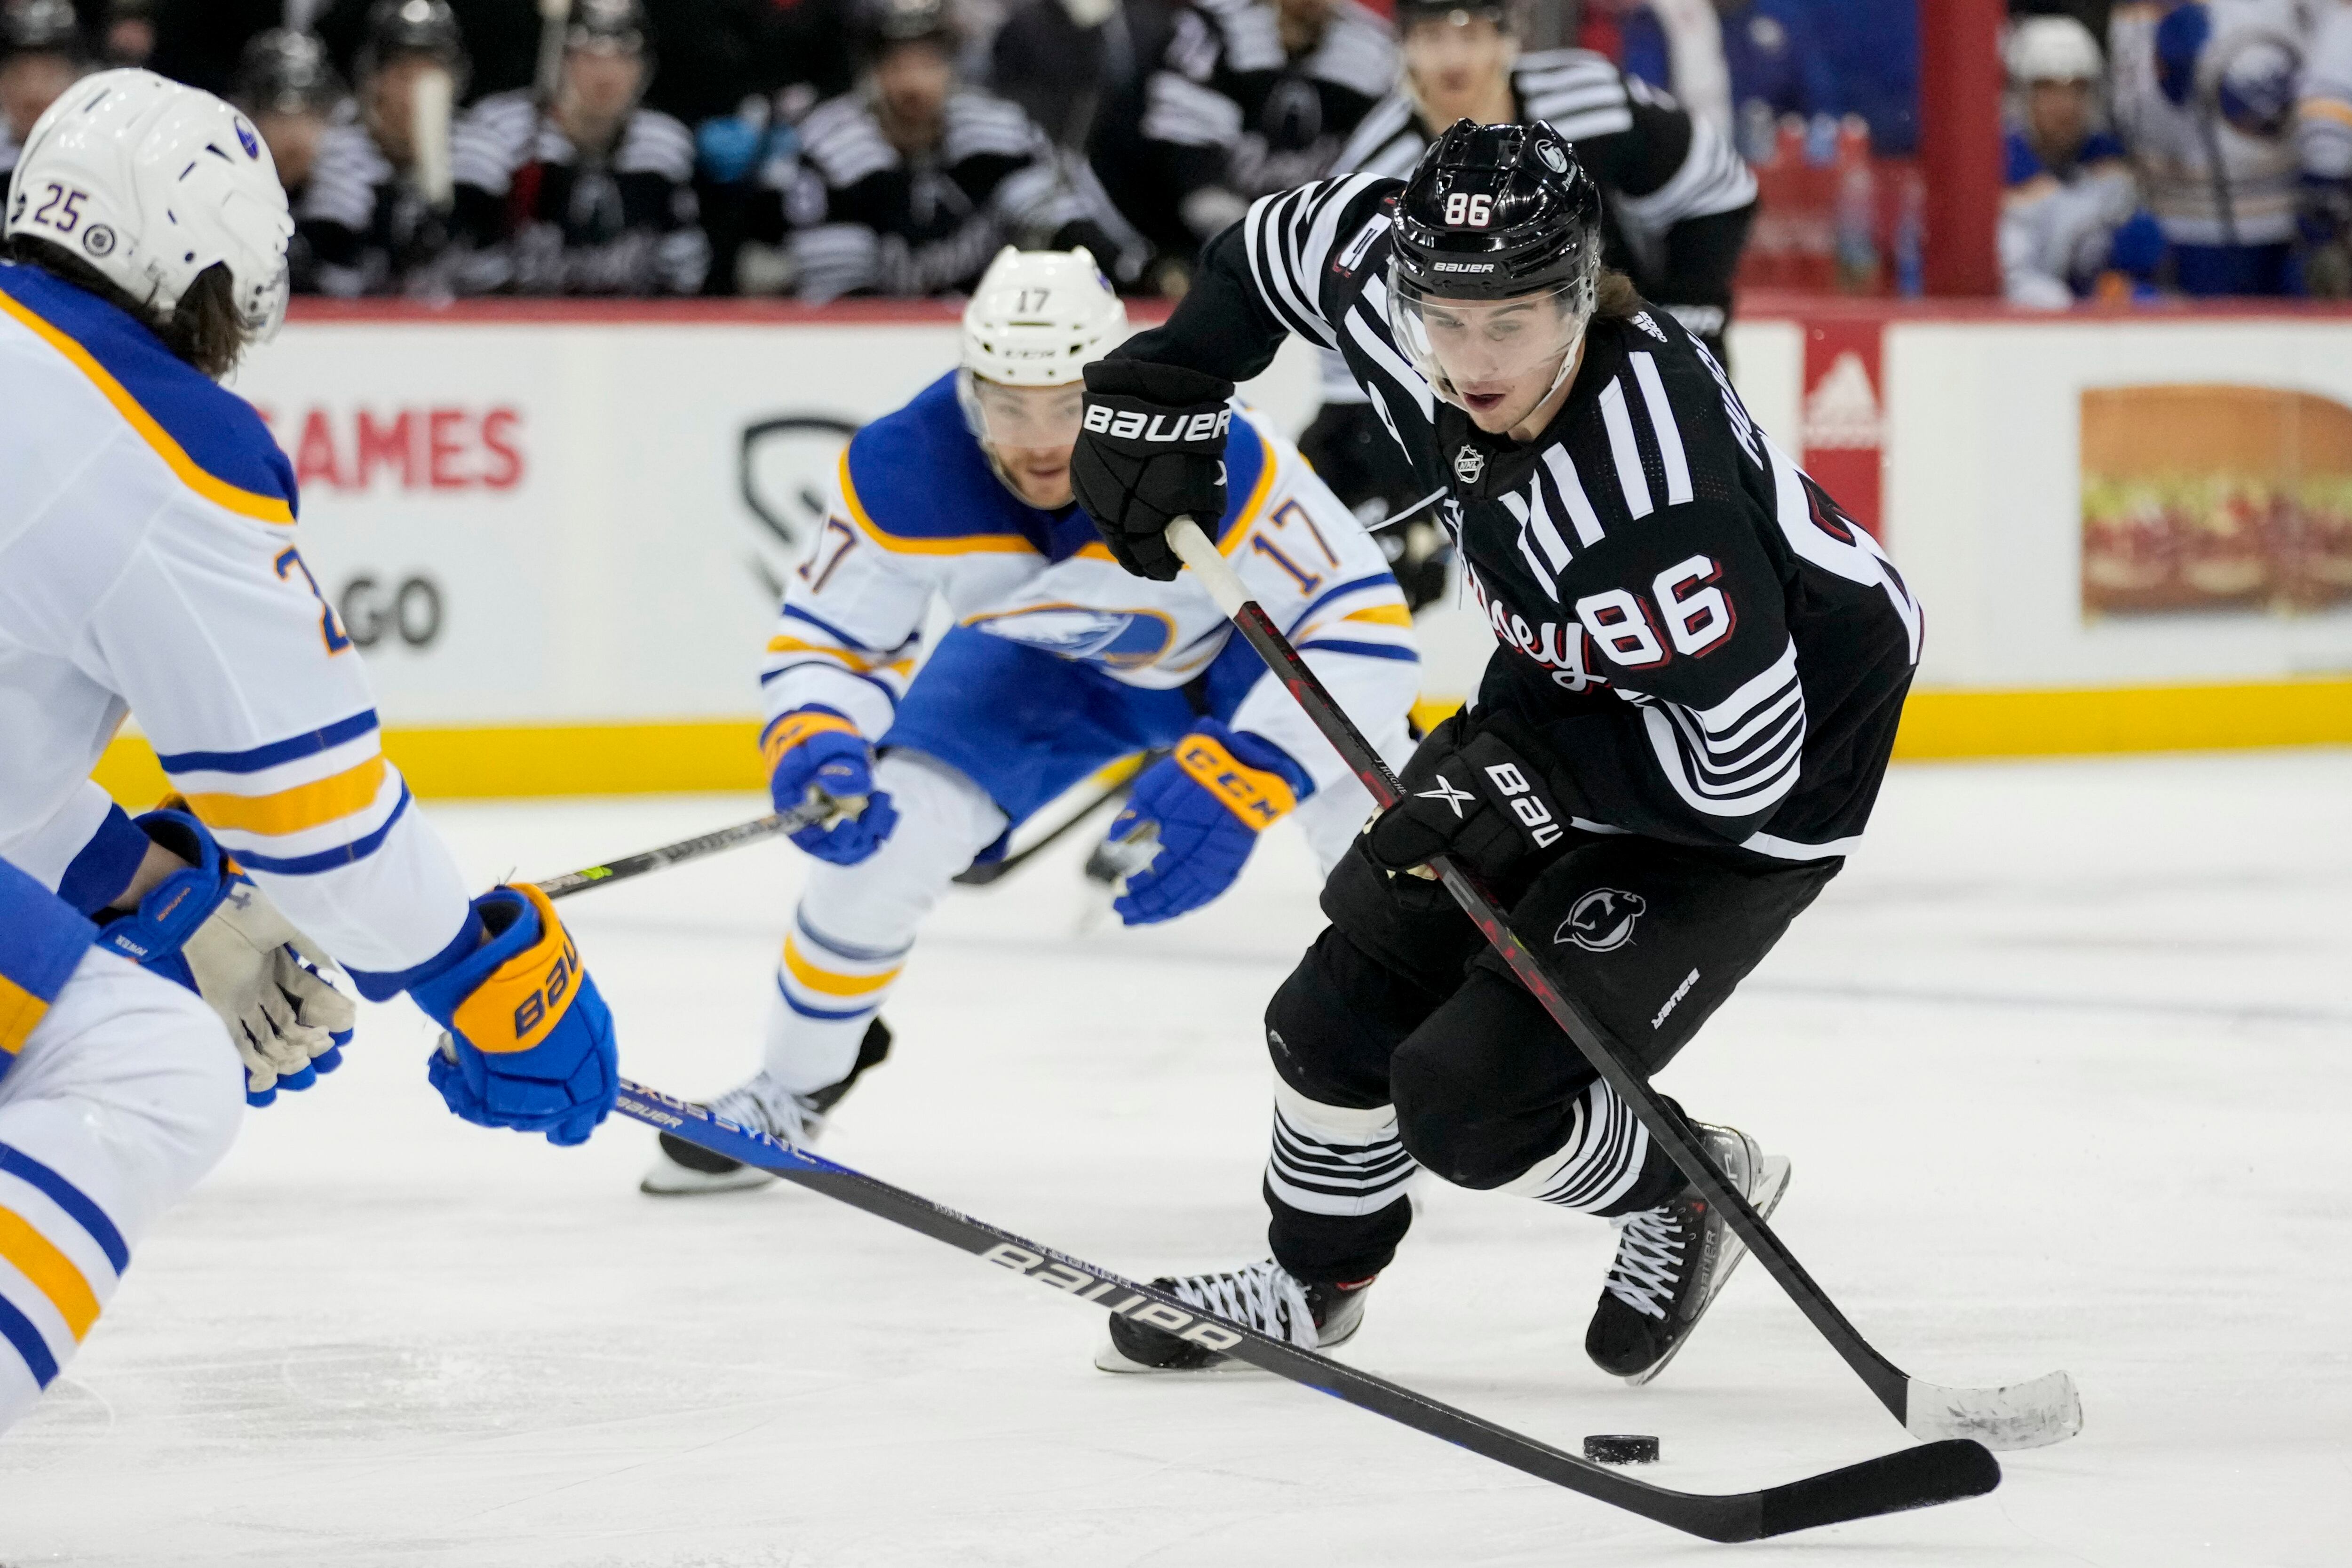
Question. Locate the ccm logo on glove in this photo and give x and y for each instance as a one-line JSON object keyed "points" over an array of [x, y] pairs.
{"points": [[1258, 797], [1128, 424]]}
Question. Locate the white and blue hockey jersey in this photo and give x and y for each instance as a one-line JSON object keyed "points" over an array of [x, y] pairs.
{"points": [[149, 562], [917, 511]]}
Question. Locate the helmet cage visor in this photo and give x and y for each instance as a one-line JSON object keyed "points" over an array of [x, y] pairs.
{"points": [[1021, 417], [1482, 345]]}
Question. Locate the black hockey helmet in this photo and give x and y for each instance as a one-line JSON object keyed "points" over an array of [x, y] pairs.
{"points": [[283, 71], [1410, 13], [878, 24], [616, 25], [41, 28], [414, 28], [1493, 212]]}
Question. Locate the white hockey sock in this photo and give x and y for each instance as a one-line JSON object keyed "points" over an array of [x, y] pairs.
{"points": [[855, 924], [1599, 1164], [1331, 1160]]}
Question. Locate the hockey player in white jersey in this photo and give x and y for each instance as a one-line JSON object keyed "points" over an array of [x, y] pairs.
{"points": [[148, 564], [1059, 663]]}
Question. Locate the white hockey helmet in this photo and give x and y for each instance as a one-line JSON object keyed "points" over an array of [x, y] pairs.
{"points": [[2054, 49], [153, 184], [1038, 316]]}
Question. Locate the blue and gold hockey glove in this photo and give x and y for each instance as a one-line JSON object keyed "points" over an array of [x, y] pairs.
{"points": [[817, 749], [212, 929], [530, 1042], [1205, 802]]}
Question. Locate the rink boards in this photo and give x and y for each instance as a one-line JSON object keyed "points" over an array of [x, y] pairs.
{"points": [[559, 531]]}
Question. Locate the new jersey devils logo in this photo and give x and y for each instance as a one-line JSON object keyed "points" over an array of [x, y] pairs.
{"points": [[1601, 920]]}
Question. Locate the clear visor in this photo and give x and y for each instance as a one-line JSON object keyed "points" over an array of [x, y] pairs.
{"points": [[265, 309], [1475, 350], [1023, 416]]}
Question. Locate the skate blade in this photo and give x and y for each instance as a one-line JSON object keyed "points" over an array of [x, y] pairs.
{"points": [[1767, 1196], [668, 1179]]}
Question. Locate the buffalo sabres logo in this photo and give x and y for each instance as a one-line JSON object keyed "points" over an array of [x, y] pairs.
{"points": [[1468, 464], [1446, 793], [1601, 920]]}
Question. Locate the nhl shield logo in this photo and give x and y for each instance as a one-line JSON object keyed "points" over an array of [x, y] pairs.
{"points": [[1601, 920], [1468, 464]]}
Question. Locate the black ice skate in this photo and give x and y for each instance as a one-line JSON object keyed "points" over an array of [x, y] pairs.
{"points": [[683, 1170], [1672, 1260], [1264, 1296]]}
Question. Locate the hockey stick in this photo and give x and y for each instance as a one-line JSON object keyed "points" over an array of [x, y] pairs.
{"points": [[1122, 774], [2021, 1416], [1911, 1477], [817, 808]]}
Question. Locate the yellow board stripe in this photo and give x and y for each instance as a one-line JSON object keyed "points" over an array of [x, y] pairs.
{"points": [[966, 544], [308, 805], [20, 1014], [243, 502], [51, 1271], [827, 984]]}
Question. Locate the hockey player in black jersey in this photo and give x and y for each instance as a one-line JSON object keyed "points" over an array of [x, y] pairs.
{"points": [[1677, 204], [1701, 668]]}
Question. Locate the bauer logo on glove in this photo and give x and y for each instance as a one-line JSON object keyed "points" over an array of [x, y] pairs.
{"points": [[530, 1042]]}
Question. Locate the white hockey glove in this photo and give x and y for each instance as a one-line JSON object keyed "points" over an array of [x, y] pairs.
{"points": [[262, 975]]}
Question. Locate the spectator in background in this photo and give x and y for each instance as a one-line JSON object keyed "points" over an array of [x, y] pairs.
{"points": [[911, 182], [364, 215], [1775, 63], [2069, 214], [2205, 99], [129, 32], [1252, 97], [1077, 68], [591, 194], [41, 55], [293, 96]]}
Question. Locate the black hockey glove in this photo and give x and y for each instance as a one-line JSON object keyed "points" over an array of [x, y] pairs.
{"points": [[1153, 450], [1469, 796]]}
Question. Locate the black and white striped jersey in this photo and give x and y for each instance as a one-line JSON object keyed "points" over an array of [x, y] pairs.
{"points": [[860, 216], [1230, 115], [362, 227], [546, 219], [1662, 173], [1714, 652]]}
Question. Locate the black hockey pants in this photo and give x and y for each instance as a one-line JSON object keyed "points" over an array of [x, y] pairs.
{"points": [[1401, 1002]]}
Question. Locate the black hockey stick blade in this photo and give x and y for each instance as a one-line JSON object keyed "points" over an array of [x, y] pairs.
{"points": [[2022, 1416], [1909, 1479]]}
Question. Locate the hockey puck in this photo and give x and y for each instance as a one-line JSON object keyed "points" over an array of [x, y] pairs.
{"points": [[1622, 1449]]}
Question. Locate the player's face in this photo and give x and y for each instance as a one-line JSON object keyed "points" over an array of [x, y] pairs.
{"points": [[293, 144], [1455, 61], [29, 83], [1497, 359], [914, 79], [1031, 430], [2059, 112], [392, 103], [603, 84]]}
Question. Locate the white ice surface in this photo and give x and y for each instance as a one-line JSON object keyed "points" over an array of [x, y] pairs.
{"points": [[2061, 1062]]}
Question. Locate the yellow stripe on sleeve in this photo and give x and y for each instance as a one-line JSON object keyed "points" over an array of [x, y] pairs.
{"points": [[827, 984], [20, 1014], [1383, 616], [242, 501], [51, 1271], [2326, 109], [308, 805]]}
